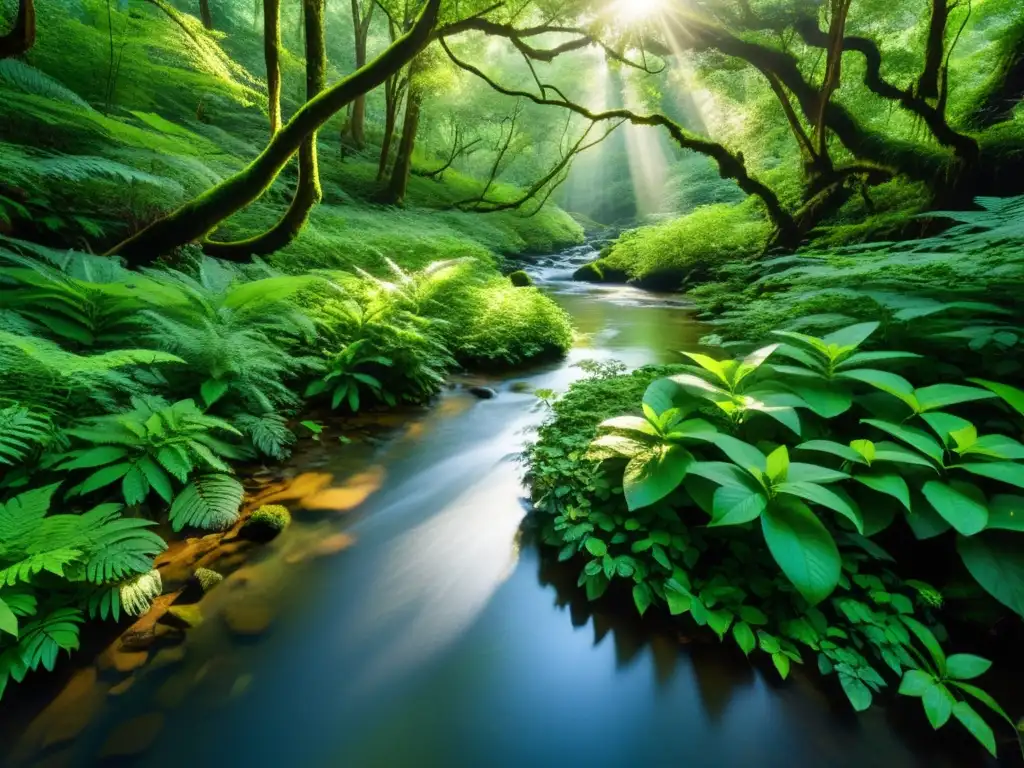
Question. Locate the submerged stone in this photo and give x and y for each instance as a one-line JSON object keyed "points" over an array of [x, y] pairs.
{"points": [[484, 393]]}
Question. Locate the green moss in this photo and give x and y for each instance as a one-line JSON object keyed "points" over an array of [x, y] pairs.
{"points": [[207, 579], [266, 522], [689, 248], [520, 279]]}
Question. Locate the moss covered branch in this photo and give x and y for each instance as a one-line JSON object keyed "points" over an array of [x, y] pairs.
{"points": [[197, 218], [308, 192], [272, 56]]}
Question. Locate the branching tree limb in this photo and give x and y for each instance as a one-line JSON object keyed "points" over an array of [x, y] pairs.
{"points": [[272, 55], [730, 166], [307, 192], [197, 218]]}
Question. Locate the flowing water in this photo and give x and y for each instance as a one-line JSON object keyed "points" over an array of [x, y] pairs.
{"points": [[440, 639]]}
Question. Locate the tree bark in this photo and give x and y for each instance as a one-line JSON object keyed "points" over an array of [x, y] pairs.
{"points": [[399, 184], [197, 218], [935, 48], [307, 192], [272, 54], [393, 88], [205, 15], [361, 30], [23, 34]]}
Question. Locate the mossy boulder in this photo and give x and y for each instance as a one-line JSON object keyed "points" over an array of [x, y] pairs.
{"points": [[520, 279], [266, 523], [184, 616], [600, 272]]}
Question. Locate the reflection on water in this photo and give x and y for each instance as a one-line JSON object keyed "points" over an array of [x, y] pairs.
{"points": [[436, 640]]}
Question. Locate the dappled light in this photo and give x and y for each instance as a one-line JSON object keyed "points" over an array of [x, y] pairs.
{"points": [[590, 382]]}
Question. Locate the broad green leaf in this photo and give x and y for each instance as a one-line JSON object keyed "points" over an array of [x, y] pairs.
{"points": [[775, 407], [630, 424], [652, 476], [812, 473], [924, 521], [782, 664], [157, 478], [915, 682], [938, 705], [888, 483], [722, 473], [642, 597], [915, 438], [967, 515], [712, 366], [836, 500], [596, 547], [1011, 395], [866, 358], [847, 453], [611, 446], [96, 457], [1004, 471], [1006, 513], [858, 693], [887, 382], [974, 723], [994, 447], [752, 362], [104, 477], [135, 486], [984, 698], [663, 394], [8, 621], [697, 385], [803, 548], [818, 345], [996, 562], [213, 390], [852, 336], [678, 602], [897, 454], [928, 640], [735, 505], [743, 454], [744, 637], [944, 424], [778, 464], [865, 448], [940, 395], [965, 666]]}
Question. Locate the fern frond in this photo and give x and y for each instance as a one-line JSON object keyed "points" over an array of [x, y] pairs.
{"points": [[43, 640], [210, 502], [19, 75], [21, 432], [269, 434]]}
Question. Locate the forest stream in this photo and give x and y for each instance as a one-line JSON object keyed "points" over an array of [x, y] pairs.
{"points": [[441, 638]]}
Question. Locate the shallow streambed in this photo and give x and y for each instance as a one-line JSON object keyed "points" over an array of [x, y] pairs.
{"points": [[438, 639]]}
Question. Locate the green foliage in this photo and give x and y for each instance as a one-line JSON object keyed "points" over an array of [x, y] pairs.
{"points": [[147, 449], [56, 567], [346, 376], [701, 471]]}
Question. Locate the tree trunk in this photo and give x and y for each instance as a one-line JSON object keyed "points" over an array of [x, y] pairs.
{"points": [[197, 218], [23, 34], [390, 118], [399, 184], [205, 15], [307, 192], [272, 54], [361, 30]]}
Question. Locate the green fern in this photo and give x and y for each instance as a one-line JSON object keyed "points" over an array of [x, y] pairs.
{"points": [[21, 432], [209, 501], [43, 640], [23, 77], [269, 434]]}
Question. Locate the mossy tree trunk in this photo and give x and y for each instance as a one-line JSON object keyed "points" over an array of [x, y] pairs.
{"points": [[361, 18], [307, 192], [398, 186], [394, 87], [197, 218], [23, 34], [272, 55]]}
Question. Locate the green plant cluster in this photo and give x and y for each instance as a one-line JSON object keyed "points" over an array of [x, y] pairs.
{"points": [[761, 496]]}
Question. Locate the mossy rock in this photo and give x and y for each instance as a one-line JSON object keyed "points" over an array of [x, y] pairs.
{"points": [[266, 523], [520, 279], [599, 272]]}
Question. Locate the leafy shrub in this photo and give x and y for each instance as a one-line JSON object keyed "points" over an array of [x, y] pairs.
{"points": [[758, 495], [689, 247], [344, 378]]}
